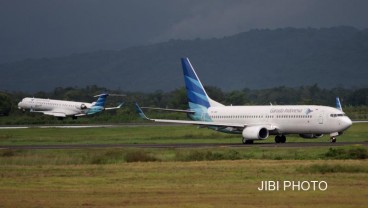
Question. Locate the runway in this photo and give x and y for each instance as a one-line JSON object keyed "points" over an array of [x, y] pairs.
{"points": [[88, 126], [185, 145]]}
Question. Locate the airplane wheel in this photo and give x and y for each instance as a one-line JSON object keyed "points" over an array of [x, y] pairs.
{"points": [[245, 141], [333, 139], [249, 142], [280, 139], [277, 139], [283, 139]]}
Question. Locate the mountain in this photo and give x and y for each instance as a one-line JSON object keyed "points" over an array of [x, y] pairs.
{"points": [[255, 59]]}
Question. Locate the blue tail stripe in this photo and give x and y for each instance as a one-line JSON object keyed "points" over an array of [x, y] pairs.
{"points": [[194, 86], [204, 98], [194, 98], [194, 82], [101, 101]]}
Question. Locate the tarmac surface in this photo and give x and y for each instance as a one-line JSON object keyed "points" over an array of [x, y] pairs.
{"points": [[186, 145]]}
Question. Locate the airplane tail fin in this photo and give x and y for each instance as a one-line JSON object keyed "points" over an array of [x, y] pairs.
{"points": [[196, 94], [101, 100], [338, 104]]}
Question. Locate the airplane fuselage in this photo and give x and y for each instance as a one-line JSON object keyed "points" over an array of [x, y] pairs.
{"points": [[288, 119], [68, 108]]}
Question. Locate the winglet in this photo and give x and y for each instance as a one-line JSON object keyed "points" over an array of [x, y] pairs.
{"points": [[338, 104], [121, 104], [140, 112]]}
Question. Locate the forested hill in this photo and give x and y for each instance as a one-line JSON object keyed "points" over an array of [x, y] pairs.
{"points": [[255, 59]]}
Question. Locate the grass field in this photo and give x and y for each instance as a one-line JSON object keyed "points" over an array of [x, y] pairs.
{"points": [[183, 184], [208, 177], [148, 134]]}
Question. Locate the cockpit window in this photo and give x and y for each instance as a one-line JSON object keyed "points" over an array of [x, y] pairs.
{"points": [[338, 115]]}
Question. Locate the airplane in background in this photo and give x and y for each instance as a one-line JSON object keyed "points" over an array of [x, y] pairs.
{"points": [[62, 108], [256, 122]]}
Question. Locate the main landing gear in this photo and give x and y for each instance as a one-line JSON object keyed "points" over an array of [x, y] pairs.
{"points": [[245, 141], [280, 139], [333, 139]]}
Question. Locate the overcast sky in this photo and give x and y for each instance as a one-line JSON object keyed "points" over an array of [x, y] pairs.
{"points": [[43, 28]]}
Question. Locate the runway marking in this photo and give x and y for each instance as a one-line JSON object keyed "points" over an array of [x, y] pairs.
{"points": [[14, 127], [89, 126]]}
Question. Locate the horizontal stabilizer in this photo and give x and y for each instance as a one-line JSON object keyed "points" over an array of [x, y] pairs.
{"points": [[202, 123], [117, 107], [108, 94], [168, 109]]}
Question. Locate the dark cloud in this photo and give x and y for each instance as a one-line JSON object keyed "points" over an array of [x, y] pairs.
{"points": [[59, 27]]}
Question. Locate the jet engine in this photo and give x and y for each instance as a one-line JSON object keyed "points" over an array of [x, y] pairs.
{"points": [[310, 136], [255, 132], [83, 106]]}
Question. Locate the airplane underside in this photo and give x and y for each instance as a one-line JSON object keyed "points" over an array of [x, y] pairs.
{"points": [[279, 137]]}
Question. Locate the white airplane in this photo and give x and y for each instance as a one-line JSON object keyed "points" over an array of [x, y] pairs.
{"points": [[62, 108], [257, 122]]}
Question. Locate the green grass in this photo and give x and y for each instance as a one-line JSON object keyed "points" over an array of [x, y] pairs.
{"points": [[148, 134], [106, 156], [199, 177], [129, 135], [178, 184]]}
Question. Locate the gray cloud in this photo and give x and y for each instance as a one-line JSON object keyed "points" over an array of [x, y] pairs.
{"points": [[60, 27], [228, 17]]}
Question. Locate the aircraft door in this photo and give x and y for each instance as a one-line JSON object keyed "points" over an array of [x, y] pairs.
{"points": [[32, 104], [320, 118]]}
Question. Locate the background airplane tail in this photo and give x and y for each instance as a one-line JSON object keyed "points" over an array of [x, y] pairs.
{"points": [[196, 94], [338, 104], [101, 100]]}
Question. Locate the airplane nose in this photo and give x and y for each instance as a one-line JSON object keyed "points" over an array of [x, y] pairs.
{"points": [[346, 122], [21, 105]]}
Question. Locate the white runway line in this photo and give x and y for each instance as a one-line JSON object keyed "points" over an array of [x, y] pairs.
{"points": [[14, 127]]}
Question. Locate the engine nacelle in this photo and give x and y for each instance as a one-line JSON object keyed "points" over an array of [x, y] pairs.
{"points": [[83, 106], [310, 136], [255, 132]]}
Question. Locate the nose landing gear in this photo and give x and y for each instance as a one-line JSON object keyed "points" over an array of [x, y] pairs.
{"points": [[333, 139]]}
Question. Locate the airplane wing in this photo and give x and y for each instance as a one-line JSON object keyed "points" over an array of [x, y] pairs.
{"points": [[202, 123], [168, 109], [79, 115], [359, 121], [50, 113], [56, 112], [113, 108]]}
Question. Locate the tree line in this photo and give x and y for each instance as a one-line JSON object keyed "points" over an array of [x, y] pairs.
{"points": [[354, 101]]}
